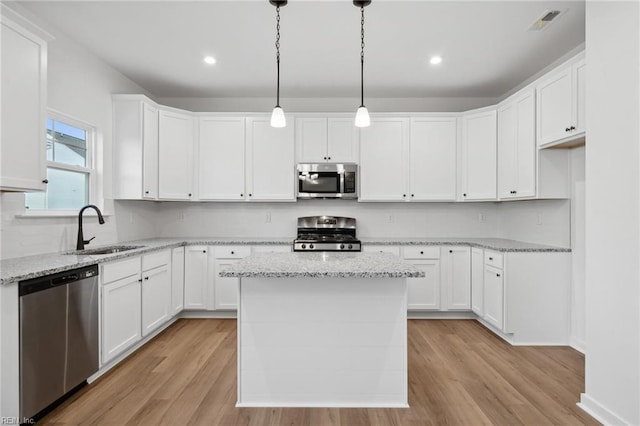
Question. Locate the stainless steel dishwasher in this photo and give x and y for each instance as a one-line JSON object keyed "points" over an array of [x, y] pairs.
{"points": [[58, 336]]}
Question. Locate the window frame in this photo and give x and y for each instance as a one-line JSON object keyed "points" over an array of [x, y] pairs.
{"points": [[90, 169]]}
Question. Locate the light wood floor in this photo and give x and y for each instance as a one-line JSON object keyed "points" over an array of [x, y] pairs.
{"points": [[459, 374]]}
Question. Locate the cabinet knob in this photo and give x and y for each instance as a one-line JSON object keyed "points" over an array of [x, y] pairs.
{"points": [[412, 195], [204, 251], [45, 180], [146, 192], [328, 158], [233, 252], [189, 195], [140, 280], [567, 129], [421, 252], [404, 195], [146, 278], [464, 195], [450, 251], [491, 258], [572, 128], [324, 158], [250, 195], [497, 275], [242, 195]]}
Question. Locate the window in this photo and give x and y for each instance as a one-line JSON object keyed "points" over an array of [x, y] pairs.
{"points": [[69, 166]]}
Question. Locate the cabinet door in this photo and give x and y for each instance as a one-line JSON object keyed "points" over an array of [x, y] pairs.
{"points": [[579, 86], [149, 151], [525, 147], [554, 107], [432, 159], [24, 79], [424, 293], [382, 160], [156, 298], [196, 277], [458, 277], [311, 140], [177, 280], [270, 161], [477, 281], [342, 140], [507, 141], [121, 316], [479, 152], [175, 153], [226, 288], [221, 158], [494, 296]]}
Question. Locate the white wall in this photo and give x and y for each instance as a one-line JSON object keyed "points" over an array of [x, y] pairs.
{"points": [[537, 221], [612, 388], [578, 225], [79, 85]]}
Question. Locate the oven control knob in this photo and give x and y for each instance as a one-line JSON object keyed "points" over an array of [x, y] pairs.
{"points": [[341, 246], [304, 246], [310, 246], [350, 246]]}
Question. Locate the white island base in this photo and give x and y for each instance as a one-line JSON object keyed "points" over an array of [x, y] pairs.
{"points": [[322, 342]]}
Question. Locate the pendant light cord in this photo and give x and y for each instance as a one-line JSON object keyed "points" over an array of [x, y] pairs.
{"points": [[362, 56], [278, 54]]}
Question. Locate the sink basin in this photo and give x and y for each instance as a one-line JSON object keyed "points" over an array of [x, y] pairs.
{"points": [[105, 250]]}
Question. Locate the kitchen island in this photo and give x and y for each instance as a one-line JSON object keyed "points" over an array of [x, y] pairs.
{"points": [[322, 329]]}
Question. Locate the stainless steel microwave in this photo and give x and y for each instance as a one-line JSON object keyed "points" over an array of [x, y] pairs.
{"points": [[327, 180]]}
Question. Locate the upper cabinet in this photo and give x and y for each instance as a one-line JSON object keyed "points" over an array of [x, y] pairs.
{"points": [[24, 90], [270, 164], [432, 159], [383, 158], [135, 151], [175, 156], [561, 105], [221, 158], [320, 139], [479, 146], [517, 146]]}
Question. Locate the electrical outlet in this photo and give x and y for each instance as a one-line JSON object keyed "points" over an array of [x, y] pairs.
{"points": [[482, 217], [539, 218], [268, 218]]}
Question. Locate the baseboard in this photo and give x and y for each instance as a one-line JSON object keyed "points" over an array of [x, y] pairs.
{"points": [[577, 344], [321, 405], [440, 315], [599, 412], [209, 314]]}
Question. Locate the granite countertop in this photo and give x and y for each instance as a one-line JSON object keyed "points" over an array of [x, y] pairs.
{"points": [[322, 265], [23, 268]]}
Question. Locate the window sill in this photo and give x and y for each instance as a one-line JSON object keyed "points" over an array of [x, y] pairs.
{"points": [[35, 214]]}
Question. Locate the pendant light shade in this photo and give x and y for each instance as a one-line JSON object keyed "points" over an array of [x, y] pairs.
{"points": [[362, 115], [277, 116]]}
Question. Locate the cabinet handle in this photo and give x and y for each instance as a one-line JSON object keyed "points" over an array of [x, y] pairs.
{"points": [[491, 258], [572, 128], [146, 278], [567, 129], [45, 180], [497, 275], [140, 280], [450, 251], [146, 192]]}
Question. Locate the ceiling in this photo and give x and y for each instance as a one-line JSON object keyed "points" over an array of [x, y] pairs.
{"points": [[486, 46]]}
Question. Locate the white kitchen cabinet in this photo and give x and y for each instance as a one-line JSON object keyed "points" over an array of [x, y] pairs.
{"points": [[560, 104], [226, 288], [135, 148], [319, 139], [270, 162], [433, 159], [24, 102], [177, 280], [175, 156], [221, 158], [457, 277], [479, 155], [121, 306], [477, 281], [424, 293], [156, 290], [517, 147], [494, 297], [196, 278], [383, 159]]}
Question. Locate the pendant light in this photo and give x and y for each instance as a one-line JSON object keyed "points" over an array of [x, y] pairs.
{"points": [[362, 115], [277, 116]]}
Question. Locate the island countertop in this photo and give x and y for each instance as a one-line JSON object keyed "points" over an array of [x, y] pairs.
{"points": [[322, 265]]}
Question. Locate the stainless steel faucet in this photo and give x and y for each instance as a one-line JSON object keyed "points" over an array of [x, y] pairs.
{"points": [[81, 240]]}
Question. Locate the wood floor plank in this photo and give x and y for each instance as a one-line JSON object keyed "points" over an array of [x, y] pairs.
{"points": [[459, 374]]}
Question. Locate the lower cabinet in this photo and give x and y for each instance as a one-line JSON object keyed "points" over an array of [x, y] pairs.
{"points": [[136, 299], [177, 280], [196, 278], [424, 293], [494, 297], [226, 288], [457, 277], [156, 290]]}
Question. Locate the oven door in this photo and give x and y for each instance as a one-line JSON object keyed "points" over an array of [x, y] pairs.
{"points": [[318, 184]]}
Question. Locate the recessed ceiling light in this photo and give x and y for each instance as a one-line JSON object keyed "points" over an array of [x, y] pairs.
{"points": [[435, 60], [210, 60]]}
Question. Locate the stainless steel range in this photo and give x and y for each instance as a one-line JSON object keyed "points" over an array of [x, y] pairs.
{"points": [[326, 233]]}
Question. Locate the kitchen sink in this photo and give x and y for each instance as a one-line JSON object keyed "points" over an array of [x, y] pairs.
{"points": [[105, 250]]}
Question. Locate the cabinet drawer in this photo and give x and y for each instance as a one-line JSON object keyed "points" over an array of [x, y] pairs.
{"points": [[492, 258], [381, 249], [118, 270], [422, 252], [272, 249], [153, 260], [231, 252]]}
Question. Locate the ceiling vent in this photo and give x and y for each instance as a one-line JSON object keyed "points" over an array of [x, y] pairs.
{"points": [[545, 20]]}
